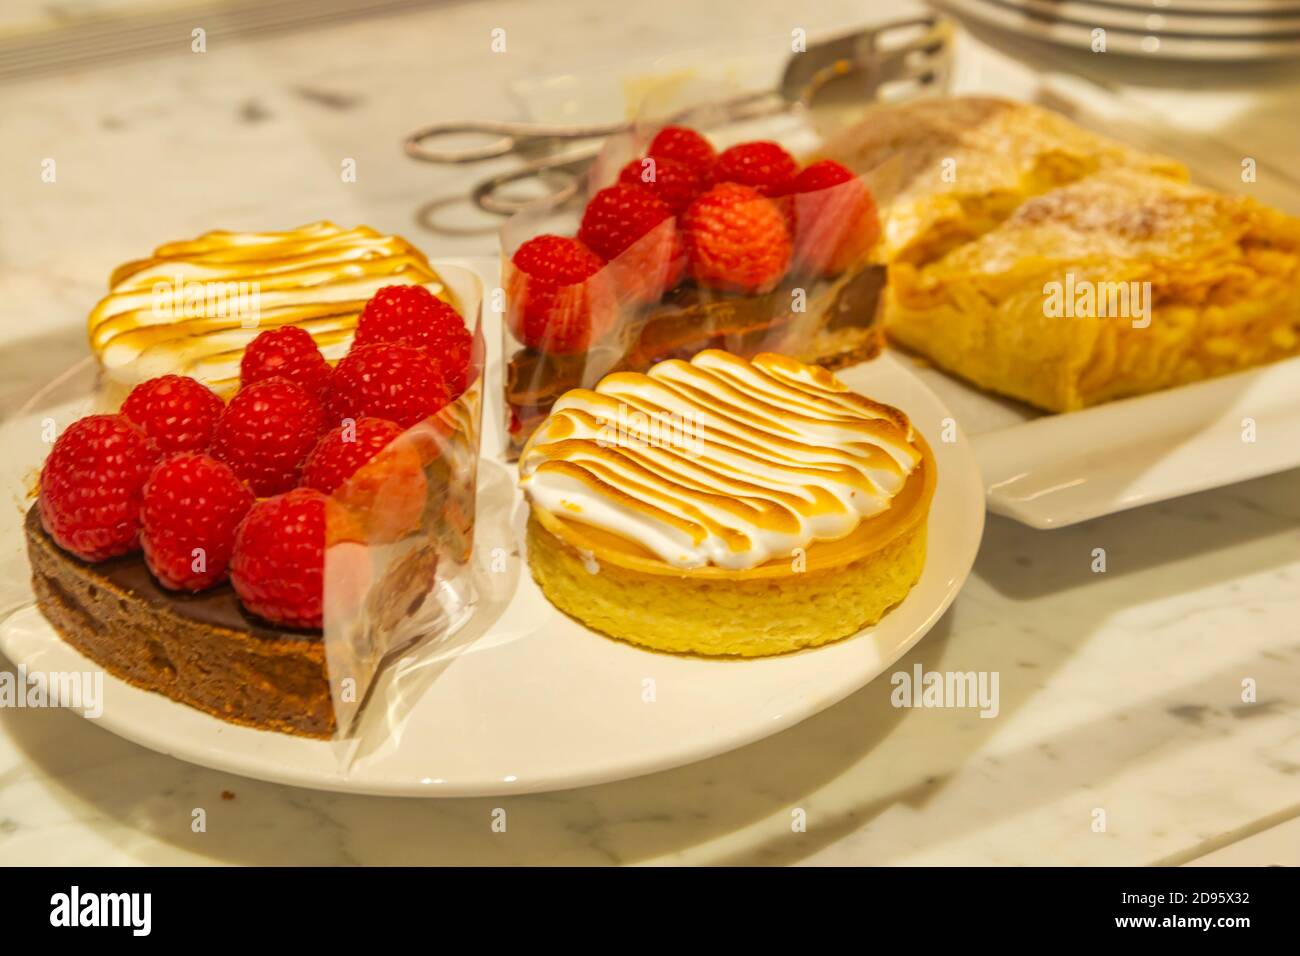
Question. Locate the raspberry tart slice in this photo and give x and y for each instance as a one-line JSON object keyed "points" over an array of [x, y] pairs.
{"points": [[689, 250], [181, 543]]}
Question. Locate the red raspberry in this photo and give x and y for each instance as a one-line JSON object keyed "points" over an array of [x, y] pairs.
{"points": [[91, 486], [403, 315], [618, 216], [836, 219], [397, 382], [634, 232], [685, 146], [452, 347], [191, 509], [266, 432], [736, 240], [412, 315], [558, 300], [178, 413], [673, 182], [381, 484], [342, 450], [287, 352], [279, 560], [763, 165]]}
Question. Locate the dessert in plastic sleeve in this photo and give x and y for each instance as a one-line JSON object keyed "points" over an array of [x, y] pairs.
{"points": [[329, 509], [681, 245]]}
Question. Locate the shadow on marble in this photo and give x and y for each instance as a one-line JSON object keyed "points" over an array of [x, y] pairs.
{"points": [[1080, 764], [1153, 553]]}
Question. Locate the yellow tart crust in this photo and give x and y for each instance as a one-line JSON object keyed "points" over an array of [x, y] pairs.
{"points": [[835, 589]]}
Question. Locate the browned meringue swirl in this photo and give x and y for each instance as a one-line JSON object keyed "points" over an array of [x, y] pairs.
{"points": [[719, 460], [194, 306]]}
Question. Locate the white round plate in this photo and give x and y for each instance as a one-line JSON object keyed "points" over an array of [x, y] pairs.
{"points": [[536, 701]]}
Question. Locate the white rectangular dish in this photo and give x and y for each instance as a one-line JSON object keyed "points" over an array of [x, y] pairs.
{"points": [[1051, 470]]}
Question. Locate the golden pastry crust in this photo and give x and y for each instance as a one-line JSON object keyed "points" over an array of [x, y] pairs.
{"points": [[755, 617], [952, 169], [1218, 277], [830, 592]]}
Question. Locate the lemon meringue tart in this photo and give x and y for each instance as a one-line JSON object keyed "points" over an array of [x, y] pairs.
{"points": [[726, 507]]}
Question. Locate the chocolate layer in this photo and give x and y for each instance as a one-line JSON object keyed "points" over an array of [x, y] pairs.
{"points": [[203, 650], [839, 326]]}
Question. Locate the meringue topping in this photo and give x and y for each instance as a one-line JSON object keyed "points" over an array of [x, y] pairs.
{"points": [[719, 461], [195, 305]]}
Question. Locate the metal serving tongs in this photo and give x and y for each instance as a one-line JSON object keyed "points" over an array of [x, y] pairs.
{"points": [[893, 61]]}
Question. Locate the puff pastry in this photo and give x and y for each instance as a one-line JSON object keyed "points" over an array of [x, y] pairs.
{"points": [[1064, 270], [952, 169]]}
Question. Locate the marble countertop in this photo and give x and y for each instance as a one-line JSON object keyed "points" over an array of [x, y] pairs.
{"points": [[1120, 691]]}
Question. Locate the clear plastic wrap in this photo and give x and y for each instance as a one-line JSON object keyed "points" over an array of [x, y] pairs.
{"points": [[646, 305], [399, 541]]}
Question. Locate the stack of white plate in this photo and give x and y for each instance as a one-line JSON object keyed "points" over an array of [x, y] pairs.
{"points": [[1177, 29]]}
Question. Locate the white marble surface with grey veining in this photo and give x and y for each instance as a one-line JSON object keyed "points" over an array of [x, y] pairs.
{"points": [[1121, 691]]}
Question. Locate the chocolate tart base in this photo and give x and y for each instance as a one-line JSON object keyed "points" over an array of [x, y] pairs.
{"points": [[202, 650], [840, 326]]}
